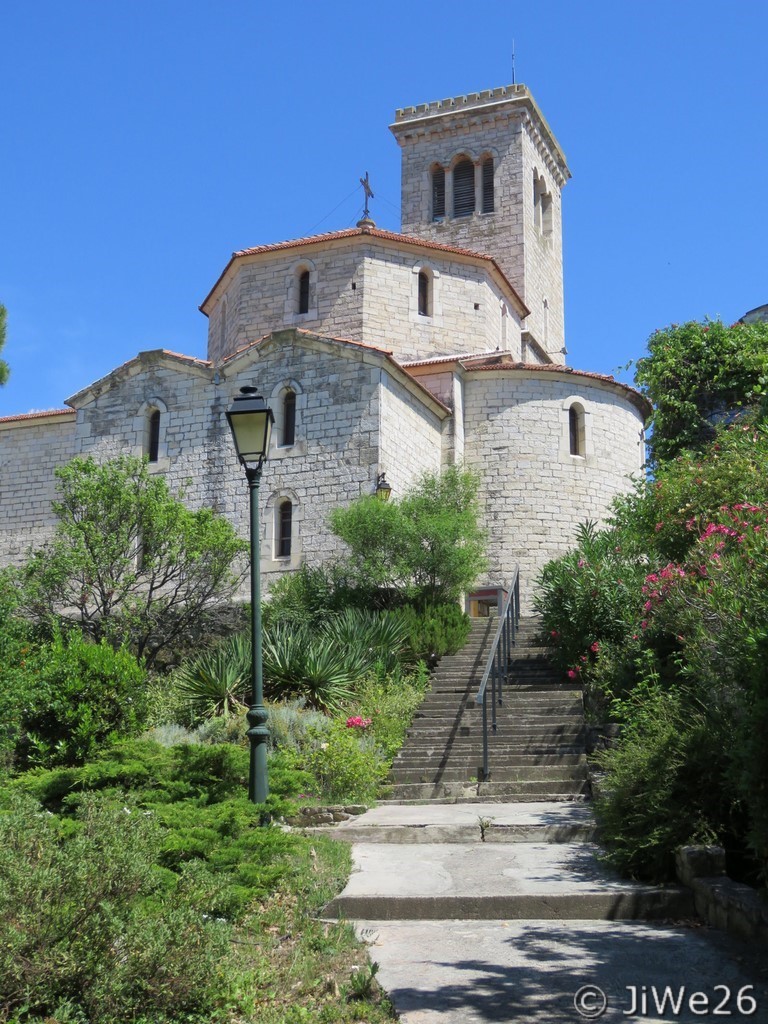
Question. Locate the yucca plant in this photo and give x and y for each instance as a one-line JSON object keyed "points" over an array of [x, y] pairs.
{"points": [[316, 668], [369, 638], [218, 681]]}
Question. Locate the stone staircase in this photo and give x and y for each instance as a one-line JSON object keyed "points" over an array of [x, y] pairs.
{"points": [[537, 752]]}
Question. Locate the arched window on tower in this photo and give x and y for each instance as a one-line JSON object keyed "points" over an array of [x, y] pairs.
{"points": [[542, 205], [152, 444], [303, 303], [464, 189], [487, 176], [284, 526], [438, 193], [289, 419]]}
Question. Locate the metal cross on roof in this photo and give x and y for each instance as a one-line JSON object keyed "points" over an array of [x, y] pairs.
{"points": [[368, 193]]}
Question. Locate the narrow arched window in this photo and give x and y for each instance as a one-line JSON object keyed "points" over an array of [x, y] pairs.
{"points": [[487, 168], [303, 306], [438, 193], [153, 435], [576, 429], [284, 525], [464, 189], [424, 294], [289, 418], [546, 213]]}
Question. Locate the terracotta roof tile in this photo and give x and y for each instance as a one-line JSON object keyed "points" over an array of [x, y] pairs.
{"points": [[390, 236], [37, 415]]}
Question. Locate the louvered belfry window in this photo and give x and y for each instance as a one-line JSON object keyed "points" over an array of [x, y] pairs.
{"points": [[488, 185], [304, 292], [438, 193], [464, 189]]}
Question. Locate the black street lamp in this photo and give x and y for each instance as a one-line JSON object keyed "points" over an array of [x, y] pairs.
{"points": [[250, 420]]}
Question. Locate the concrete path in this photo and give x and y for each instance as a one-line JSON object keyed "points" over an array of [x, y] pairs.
{"points": [[467, 931]]}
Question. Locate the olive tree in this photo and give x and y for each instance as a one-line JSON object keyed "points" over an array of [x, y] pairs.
{"points": [[128, 560]]}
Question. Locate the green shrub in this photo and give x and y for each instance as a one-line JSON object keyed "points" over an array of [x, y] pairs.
{"points": [[346, 768], [664, 786], [294, 726], [303, 598], [82, 925], [85, 694], [435, 629], [390, 701]]}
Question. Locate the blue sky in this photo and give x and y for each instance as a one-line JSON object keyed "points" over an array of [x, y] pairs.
{"points": [[145, 141]]}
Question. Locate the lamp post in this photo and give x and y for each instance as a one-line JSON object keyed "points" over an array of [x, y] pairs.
{"points": [[250, 420]]}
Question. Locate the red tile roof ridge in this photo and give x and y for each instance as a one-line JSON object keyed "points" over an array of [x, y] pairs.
{"points": [[448, 359], [36, 415], [392, 236]]}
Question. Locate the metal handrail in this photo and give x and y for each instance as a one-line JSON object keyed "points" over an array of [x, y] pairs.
{"points": [[498, 659]]}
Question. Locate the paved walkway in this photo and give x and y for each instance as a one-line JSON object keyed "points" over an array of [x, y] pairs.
{"points": [[501, 912]]}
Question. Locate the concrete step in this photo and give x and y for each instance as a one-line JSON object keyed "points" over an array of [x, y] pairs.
{"points": [[503, 790], [547, 773], [493, 881], [501, 759], [409, 823]]}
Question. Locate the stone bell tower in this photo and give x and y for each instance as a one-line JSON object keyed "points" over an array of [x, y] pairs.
{"points": [[485, 172]]}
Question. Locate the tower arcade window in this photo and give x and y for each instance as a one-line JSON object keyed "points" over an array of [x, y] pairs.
{"points": [[303, 304], [288, 436], [464, 189], [542, 205], [487, 176], [284, 527], [438, 193]]}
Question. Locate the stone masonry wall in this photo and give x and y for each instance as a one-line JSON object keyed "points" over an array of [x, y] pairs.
{"points": [[30, 451], [380, 310], [510, 135], [353, 420], [410, 438], [534, 491], [543, 255]]}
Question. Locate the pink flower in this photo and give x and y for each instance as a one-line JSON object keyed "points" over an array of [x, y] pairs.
{"points": [[356, 722], [572, 673], [581, 563], [595, 647], [644, 624], [659, 526], [554, 634]]}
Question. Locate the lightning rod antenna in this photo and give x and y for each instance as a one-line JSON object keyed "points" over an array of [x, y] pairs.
{"points": [[513, 63]]}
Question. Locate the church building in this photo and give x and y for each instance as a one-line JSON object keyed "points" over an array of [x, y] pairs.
{"points": [[379, 353]]}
